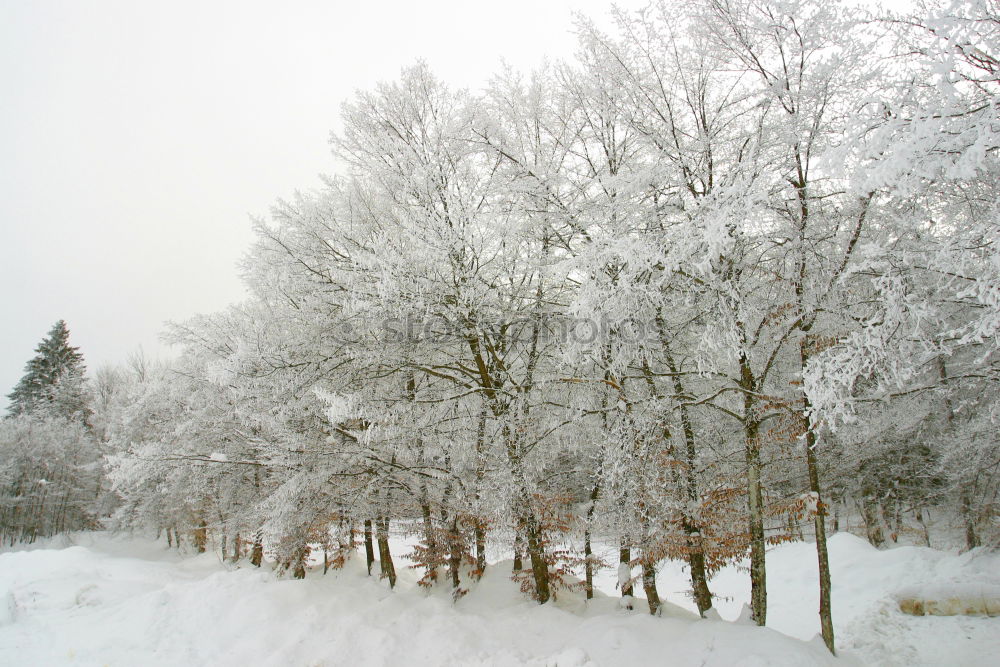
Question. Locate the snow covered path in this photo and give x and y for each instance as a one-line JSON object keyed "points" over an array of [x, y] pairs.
{"points": [[126, 601]]}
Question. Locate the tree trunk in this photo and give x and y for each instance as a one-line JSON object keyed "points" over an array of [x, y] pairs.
{"points": [[825, 613], [873, 523], [812, 467], [518, 550], [528, 524], [696, 551], [969, 517], [257, 553], [758, 566], [369, 547], [649, 586], [201, 536], [536, 553], [299, 562], [923, 526], [755, 496], [385, 558], [625, 567], [453, 541], [454, 557], [588, 565], [432, 547], [699, 575], [480, 525], [588, 552], [480, 537]]}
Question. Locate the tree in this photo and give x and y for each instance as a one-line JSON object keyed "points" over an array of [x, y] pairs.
{"points": [[707, 193], [931, 326], [49, 459], [53, 378]]}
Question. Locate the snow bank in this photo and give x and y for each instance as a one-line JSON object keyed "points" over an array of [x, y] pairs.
{"points": [[109, 600], [130, 602], [867, 586]]}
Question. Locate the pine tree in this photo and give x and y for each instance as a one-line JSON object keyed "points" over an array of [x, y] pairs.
{"points": [[49, 456], [53, 378]]}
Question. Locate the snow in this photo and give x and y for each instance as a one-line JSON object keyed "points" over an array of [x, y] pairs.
{"points": [[624, 575], [98, 599], [118, 601], [867, 586]]}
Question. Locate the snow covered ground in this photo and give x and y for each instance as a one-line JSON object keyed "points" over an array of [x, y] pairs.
{"points": [[866, 581], [104, 600]]}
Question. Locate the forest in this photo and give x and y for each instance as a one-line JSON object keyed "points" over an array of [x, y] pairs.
{"points": [[728, 278]]}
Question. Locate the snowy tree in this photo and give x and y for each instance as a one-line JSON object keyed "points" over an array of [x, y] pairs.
{"points": [[646, 296], [49, 456], [54, 378]]}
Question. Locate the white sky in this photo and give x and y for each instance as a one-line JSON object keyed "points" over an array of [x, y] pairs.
{"points": [[137, 137]]}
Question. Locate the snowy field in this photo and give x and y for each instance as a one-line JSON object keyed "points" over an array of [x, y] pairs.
{"points": [[95, 599]]}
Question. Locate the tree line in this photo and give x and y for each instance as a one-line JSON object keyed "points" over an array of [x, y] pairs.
{"points": [[725, 277]]}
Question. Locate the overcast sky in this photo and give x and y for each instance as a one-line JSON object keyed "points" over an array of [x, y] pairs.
{"points": [[136, 139]]}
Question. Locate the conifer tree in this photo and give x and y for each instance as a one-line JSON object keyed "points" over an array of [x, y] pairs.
{"points": [[53, 378], [49, 456]]}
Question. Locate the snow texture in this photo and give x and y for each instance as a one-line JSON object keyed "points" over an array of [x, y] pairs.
{"points": [[126, 601], [117, 601]]}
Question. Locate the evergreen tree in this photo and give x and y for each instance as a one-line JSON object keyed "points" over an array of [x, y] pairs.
{"points": [[50, 472], [53, 378]]}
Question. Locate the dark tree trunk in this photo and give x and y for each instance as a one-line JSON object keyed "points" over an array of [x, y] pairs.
{"points": [[696, 551], [480, 537], [536, 553], [825, 613], [518, 549], [699, 576], [649, 586], [758, 566], [385, 558], [454, 556], [755, 497], [528, 524], [588, 565], [369, 547], [432, 547], [588, 552]]}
